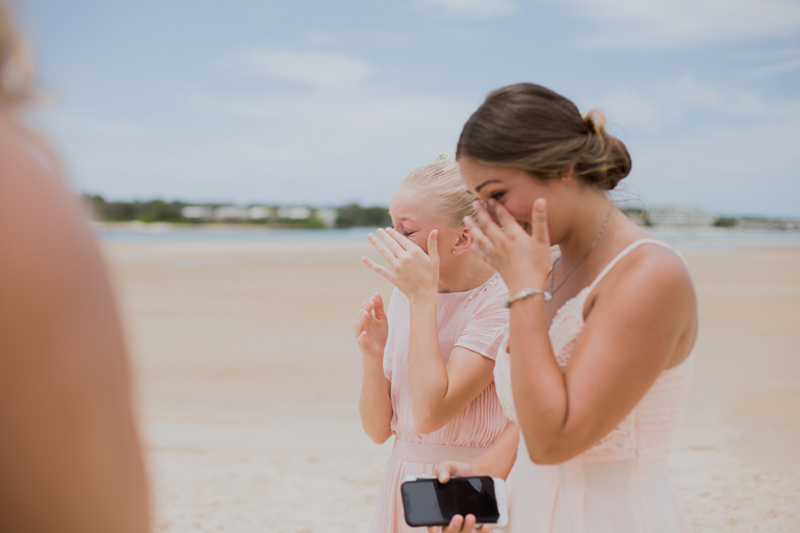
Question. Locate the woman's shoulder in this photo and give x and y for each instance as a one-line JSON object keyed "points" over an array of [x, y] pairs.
{"points": [[490, 298], [646, 266], [655, 259]]}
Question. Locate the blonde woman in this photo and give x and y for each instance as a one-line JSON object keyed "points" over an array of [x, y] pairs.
{"points": [[597, 363], [428, 360], [70, 459]]}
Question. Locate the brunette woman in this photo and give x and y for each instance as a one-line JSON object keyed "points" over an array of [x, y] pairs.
{"points": [[596, 365]]}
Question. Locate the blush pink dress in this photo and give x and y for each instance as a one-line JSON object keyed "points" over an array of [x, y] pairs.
{"points": [[621, 484], [474, 320]]}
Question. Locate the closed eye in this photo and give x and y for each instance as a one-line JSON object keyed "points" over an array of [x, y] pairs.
{"points": [[497, 195], [403, 232]]}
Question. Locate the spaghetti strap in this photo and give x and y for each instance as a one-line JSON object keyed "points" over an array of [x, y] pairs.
{"points": [[622, 254]]}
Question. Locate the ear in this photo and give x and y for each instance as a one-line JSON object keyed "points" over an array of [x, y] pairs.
{"points": [[567, 174], [464, 243]]}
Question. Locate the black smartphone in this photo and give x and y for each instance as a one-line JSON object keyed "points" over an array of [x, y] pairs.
{"points": [[427, 502]]}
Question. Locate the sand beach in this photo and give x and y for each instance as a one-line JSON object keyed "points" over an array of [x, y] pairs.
{"points": [[247, 380]]}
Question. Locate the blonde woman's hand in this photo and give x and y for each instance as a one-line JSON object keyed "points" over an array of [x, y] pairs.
{"points": [[371, 327], [459, 524], [522, 260], [411, 270]]}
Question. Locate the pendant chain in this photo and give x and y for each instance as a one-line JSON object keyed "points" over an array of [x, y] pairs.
{"points": [[553, 268]]}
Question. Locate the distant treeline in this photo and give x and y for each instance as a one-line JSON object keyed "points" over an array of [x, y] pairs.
{"points": [[348, 216], [353, 215]]}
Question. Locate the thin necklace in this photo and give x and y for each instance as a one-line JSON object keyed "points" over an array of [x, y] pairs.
{"points": [[553, 268]]}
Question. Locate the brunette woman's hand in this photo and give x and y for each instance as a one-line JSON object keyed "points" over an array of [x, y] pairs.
{"points": [[522, 260], [411, 270], [459, 524], [371, 327]]}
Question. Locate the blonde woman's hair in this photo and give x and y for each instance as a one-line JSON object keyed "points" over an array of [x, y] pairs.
{"points": [[441, 183]]}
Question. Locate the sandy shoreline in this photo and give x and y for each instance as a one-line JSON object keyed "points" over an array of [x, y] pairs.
{"points": [[248, 378]]}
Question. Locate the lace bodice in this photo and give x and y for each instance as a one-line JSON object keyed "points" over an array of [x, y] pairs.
{"points": [[648, 428]]}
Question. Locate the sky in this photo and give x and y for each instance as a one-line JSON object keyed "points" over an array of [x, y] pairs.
{"points": [[325, 103]]}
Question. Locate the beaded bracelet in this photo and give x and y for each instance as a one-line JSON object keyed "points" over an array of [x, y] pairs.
{"points": [[525, 293]]}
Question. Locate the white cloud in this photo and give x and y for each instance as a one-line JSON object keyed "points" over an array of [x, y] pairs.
{"points": [[323, 70], [664, 104], [746, 170], [630, 109], [318, 147], [669, 23], [475, 8], [696, 94]]}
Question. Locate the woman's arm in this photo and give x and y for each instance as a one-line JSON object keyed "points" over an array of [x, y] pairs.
{"points": [[70, 458], [630, 336], [439, 392], [498, 459], [375, 403]]}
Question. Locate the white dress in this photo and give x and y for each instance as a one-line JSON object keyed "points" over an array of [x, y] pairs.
{"points": [[621, 484]]}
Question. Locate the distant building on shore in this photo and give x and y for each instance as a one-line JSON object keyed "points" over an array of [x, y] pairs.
{"points": [[258, 212], [294, 213], [679, 216], [197, 212], [230, 212]]}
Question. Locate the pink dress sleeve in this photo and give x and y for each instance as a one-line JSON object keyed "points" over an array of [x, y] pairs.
{"points": [[388, 350], [484, 332]]}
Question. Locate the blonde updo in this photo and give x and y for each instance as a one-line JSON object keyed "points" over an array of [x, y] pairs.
{"points": [[532, 128], [441, 184]]}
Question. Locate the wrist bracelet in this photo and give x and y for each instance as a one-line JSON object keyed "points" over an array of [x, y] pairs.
{"points": [[525, 293]]}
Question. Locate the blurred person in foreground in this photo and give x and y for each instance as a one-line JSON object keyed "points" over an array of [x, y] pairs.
{"points": [[70, 459]]}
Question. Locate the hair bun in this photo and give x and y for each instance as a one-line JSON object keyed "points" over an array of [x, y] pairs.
{"points": [[595, 121]]}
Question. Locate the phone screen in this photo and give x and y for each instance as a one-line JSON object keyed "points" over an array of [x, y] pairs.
{"points": [[427, 502]]}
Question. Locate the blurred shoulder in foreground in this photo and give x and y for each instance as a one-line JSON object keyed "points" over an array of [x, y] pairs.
{"points": [[70, 458]]}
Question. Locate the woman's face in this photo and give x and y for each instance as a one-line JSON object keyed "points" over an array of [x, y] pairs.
{"points": [[413, 216], [514, 188]]}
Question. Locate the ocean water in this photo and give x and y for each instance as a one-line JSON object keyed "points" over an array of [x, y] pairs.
{"points": [[685, 240]]}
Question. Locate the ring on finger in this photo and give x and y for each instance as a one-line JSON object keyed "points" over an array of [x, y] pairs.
{"points": [[489, 245]]}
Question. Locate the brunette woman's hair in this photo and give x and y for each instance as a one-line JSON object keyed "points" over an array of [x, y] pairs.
{"points": [[532, 128]]}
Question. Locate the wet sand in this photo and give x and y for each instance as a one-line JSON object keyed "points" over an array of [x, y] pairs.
{"points": [[248, 378]]}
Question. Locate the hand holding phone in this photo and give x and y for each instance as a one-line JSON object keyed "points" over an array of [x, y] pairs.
{"points": [[428, 502]]}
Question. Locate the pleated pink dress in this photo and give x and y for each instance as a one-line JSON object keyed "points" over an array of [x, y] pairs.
{"points": [[474, 320], [621, 484]]}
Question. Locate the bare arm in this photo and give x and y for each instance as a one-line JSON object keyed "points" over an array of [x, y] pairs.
{"points": [[631, 334], [626, 343], [375, 402], [439, 392], [70, 458], [499, 458]]}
